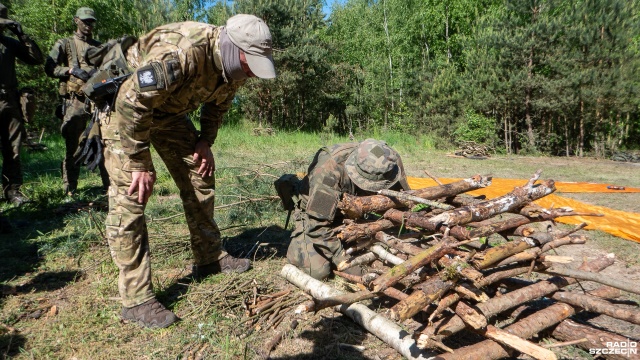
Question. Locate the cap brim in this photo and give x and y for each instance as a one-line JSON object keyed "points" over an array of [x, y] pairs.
{"points": [[87, 18], [261, 66]]}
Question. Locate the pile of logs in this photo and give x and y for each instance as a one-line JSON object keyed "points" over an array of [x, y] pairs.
{"points": [[473, 150], [431, 274]]}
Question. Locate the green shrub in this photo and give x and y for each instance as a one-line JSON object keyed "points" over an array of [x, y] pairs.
{"points": [[477, 128]]}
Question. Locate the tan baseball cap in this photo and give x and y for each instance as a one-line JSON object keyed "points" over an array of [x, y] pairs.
{"points": [[85, 13], [252, 36]]}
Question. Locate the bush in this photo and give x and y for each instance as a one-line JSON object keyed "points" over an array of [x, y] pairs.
{"points": [[477, 128]]}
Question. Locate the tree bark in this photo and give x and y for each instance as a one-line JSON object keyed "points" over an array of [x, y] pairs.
{"points": [[592, 303], [354, 232]]}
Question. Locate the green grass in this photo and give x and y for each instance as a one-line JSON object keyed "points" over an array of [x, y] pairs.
{"points": [[57, 254]]}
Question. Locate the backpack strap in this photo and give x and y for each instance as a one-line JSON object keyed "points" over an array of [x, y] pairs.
{"points": [[71, 47]]}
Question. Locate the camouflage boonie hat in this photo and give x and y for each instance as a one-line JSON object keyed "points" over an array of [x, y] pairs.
{"points": [[374, 166], [85, 13]]}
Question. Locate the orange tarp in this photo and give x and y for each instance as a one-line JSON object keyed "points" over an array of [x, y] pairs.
{"points": [[619, 223]]}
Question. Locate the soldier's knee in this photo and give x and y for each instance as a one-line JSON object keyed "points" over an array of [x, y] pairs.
{"points": [[304, 256]]}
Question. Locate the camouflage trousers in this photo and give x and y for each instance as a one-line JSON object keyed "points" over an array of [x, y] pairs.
{"points": [[75, 121], [11, 136], [174, 140], [309, 250]]}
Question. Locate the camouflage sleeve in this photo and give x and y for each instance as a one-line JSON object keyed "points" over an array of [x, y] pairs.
{"points": [[147, 88], [212, 112], [30, 51], [56, 64]]}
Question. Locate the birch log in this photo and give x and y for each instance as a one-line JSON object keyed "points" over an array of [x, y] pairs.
{"points": [[376, 324]]}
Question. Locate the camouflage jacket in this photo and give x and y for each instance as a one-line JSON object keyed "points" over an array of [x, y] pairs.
{"points": [[177, 68], [61, 59], [24, 49], [323, 186], [328, 179]]}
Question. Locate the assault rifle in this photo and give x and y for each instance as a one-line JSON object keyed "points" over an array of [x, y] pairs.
{"points": [[105, 89]]}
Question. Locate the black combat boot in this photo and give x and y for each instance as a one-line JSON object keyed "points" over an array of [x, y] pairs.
{"points": [[151, 314], [227, 264]]}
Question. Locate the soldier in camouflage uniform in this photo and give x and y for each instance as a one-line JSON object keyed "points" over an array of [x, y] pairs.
{"points": [[353, 168], [11, 121], [67, 62], [176, 68]]}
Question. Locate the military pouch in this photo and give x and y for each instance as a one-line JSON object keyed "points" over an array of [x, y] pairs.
{"points": [[62, 88], [287, 187], [323, 202]]}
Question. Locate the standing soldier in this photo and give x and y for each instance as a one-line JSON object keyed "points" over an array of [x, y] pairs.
{"points": [[67, 62], [177, 68], [11, 121]]}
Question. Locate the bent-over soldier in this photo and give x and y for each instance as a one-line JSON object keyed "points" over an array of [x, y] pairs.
{"points": [[176, 68], [353, 168]]}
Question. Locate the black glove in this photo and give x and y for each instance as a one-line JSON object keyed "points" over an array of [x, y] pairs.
{"points": [[80, 74], [16, 28], [89, 152]]}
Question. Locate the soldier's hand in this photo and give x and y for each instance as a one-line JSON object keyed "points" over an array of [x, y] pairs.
{"points": [[142, 182], [202, 155], [16, 28], [80, 74]]}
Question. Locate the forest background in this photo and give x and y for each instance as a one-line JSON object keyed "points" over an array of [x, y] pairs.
{"points": [[529, 76]]}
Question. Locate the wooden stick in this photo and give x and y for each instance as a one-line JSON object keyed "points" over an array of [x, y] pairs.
{"points": [[412, 198], [385, 256], [360, 260], [599, 278], [514, 298], [399, 271], [515, 342], [433, 177], [566, 343]]}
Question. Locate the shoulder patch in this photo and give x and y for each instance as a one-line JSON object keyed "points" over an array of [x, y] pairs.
{"points": [[147, 77]]}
